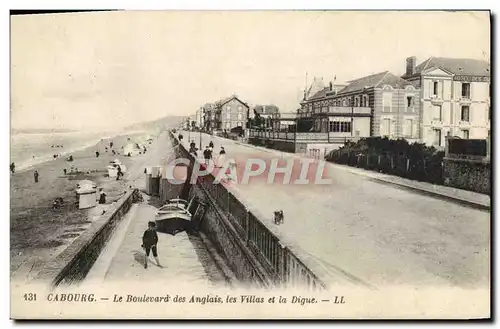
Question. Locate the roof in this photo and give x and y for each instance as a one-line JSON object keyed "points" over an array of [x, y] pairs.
{"points": [[458, 66], [227, 100], [375, 80], [320, 94], [316, 85]]}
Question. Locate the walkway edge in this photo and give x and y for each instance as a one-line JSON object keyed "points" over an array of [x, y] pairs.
{"points": [[452, 198], [455, 199], [219, 262]]}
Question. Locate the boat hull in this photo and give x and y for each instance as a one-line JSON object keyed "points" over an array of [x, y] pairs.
{"points": [[173, 223]]}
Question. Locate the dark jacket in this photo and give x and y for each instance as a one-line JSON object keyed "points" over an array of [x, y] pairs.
{"points": [[207, 154], [150, 238]]}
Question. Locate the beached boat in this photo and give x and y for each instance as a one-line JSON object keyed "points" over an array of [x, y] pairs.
{"points": [[174, 217]]}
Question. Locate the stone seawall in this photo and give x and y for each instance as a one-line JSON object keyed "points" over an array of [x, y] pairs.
{"points": [[73, 264]]}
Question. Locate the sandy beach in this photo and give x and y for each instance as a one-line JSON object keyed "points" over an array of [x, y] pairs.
{"points": [[38, 232]]}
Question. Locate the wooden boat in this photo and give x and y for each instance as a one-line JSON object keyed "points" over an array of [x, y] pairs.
{"points": [[174, 217]]}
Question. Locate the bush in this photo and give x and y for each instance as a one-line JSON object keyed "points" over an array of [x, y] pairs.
{"points": [[395, 157]]}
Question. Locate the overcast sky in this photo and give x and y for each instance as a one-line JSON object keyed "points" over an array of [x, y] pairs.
{"points": [[113, 69]]}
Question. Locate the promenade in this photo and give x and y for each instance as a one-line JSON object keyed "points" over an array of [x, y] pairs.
{"points": [[380, 233], [184, 258]]}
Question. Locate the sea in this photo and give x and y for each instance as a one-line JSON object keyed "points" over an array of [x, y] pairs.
{"points": [[28, 149]]}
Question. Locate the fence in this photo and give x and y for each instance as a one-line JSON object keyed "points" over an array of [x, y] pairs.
{"points": [[420, 168], [283, 265]]}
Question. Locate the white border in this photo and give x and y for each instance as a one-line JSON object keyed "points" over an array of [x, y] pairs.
{"points": [[186, 5]]}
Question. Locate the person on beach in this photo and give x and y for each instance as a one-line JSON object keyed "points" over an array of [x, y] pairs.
{"points": [[65, 171], [120, 173], [13, 167], [102, 197], [35, 175], [111, 144], [222, 151], [97, 154], [149, 243], [211, 144]]}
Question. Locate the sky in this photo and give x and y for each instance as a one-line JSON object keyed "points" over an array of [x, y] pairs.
{"points": [[110, 69]]}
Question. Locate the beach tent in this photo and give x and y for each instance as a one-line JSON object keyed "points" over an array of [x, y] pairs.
{"points": [[86, 183], [130, 148], [112, 171], [86, 194]]}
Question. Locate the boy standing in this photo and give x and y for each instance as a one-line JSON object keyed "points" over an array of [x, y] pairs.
{"points": [[149, 242]]}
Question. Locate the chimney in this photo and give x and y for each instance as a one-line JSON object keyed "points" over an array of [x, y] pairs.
{"points": [[331, 86], [411, 63]]}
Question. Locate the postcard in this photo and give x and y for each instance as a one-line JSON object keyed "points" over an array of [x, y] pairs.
{"points": [[250, 165]]}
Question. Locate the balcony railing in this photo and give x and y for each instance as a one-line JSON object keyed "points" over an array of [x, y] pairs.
{"points": [[349, 110]]}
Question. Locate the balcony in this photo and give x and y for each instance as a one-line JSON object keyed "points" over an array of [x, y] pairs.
{"points": [[464, 124], [437, 123], [345, 111], [465, 100], [436, 99]]}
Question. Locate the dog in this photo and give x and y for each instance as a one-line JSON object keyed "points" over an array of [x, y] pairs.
{"points": [[279, 218]]}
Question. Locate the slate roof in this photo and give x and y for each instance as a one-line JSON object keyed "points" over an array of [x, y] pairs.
{"points": [[457, 66], [375, 80]]}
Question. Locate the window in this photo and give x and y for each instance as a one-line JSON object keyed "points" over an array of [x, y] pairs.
{"points": [[228, 108], [228, 125], [367, 101], [386, 127], [240, 116], [409, 103], [228, 114], [435, 88], [240, 109], [437, 113], [437, 137], [465, 134], [340, 127], [387, 101], [240, 124], [465, 90], [408, 128], [356, 101], [465, 113]]}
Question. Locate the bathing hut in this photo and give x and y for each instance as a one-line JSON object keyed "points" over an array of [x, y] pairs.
{"points": [[86, 193]]}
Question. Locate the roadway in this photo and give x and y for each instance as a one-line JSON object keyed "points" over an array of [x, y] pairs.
{"points": [[377, 232]]}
